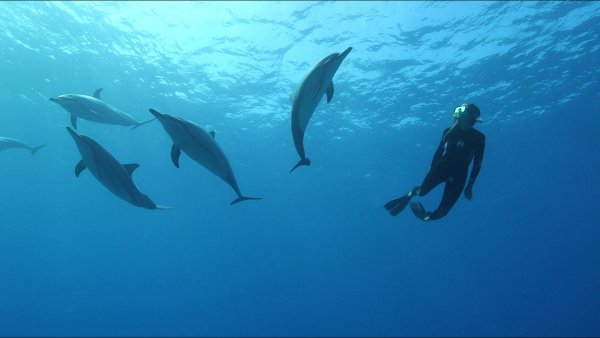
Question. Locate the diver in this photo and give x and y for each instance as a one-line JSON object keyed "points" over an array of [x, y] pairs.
{"points": [[460, 144]]}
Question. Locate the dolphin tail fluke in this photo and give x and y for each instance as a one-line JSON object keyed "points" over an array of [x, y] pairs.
{"points": [[304, 161], [35, 149], [244, 198], [142, 123]]}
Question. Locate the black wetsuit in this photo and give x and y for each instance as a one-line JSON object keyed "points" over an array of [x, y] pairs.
{"points": [[450, 164]]}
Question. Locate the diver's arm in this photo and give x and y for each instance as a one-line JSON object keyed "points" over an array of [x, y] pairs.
{"points": [[440, 149], [477, 159]]}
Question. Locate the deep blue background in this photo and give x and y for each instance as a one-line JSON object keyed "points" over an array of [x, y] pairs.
{"points": [[319, 255]]}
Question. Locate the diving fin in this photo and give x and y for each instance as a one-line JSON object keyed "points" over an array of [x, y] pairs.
{"points": [[419, 210], [397, 205]]}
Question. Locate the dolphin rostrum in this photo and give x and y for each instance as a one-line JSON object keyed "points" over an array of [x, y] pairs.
{"points": [[308, 95], [7, 143], [201, 147], [94, 109], [115, 176]]}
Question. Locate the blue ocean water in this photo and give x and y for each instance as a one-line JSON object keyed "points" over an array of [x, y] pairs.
{"points": [[319, 255]]}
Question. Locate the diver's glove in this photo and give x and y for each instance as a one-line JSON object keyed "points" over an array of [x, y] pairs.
{"points": [[469, 190]]}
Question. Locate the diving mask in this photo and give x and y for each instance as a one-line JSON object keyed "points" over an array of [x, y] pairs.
{"points": [[459, 111]]}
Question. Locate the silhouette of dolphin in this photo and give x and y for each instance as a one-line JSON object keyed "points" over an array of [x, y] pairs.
{"points": [[116, 177], [308, 95], [7, 143], [94, 109], [201, 147]]}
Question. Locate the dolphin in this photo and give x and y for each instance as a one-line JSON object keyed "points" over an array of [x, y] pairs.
{"points": [[115, 176], [94, 109], [308, 95], [7, 143], [201, 147]]}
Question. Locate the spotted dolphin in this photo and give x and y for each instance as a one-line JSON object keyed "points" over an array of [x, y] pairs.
{"points": [[115, 176], [94, 109], [201, 147], [7, 143], [308, 95]]}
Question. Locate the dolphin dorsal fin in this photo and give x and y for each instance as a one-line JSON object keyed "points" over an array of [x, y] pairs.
{"points": [[130, 168], [79, 168], [97, 93], [330, 92], [212, 133]]}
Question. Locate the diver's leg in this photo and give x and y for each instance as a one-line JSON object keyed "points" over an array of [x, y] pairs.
{"points": [[452, 191], [396, 206], [432, 179]]}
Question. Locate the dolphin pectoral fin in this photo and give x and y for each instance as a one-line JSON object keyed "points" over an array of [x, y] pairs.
{"points": [[244, 198], [162, 207], [292, 97], [142, 123], [330, 92], [303, 161], [97, 93], [175, 153], [35, 149], [74, 121], [212, 133], [130, 168], [79, 168]]}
